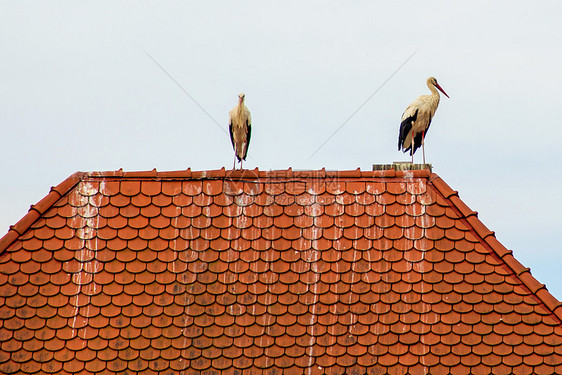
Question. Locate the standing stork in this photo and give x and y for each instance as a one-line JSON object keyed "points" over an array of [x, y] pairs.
{"points": [[417, 118], [240, 127]]}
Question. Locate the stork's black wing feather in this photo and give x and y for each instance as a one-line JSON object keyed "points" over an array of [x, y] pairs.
{"points": [[418, 139], [231, 134], [405, 129], [248, 135]]}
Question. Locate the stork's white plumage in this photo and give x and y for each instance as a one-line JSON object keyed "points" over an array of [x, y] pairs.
{"points": [[417, 118], [240, 130]]}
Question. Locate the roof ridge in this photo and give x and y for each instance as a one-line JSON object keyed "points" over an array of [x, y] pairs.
{"points": [[256, 173], [489, 238], [36, 210]]}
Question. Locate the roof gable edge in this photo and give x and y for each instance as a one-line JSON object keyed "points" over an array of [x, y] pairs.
{"points": [[38, 209], [487, 236]]}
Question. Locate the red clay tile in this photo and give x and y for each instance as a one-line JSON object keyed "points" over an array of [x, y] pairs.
{"points": [[375, 186], [414, 210], [365, 199], [385, 221], [386, 199], [192, 187], [119, 201], [396, 188], [212, 187], [355, 187], [354, 209], [322, 200], [253, 188], [437, 211]]}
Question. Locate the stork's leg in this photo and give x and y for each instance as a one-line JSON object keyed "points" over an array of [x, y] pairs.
{"points": [[234, 164], [423, 146], [412, 146], [241, 161]]}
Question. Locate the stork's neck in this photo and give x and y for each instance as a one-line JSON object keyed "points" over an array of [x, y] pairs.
{"points": [[434, 91], [434, 95]]}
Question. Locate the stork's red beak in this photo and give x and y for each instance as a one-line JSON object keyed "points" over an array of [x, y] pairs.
{"points": [[440, 89]]}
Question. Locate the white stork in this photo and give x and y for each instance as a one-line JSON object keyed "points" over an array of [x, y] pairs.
{"points": [[417, 118], [240, 130]]}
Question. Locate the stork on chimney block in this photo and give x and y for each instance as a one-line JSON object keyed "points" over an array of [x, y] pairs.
{"points": [[417, 118]]}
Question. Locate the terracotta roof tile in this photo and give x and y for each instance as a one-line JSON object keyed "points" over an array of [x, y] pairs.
{"points": [[293, 271]]}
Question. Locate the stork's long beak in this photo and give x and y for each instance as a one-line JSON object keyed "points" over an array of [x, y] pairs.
{"points": [[440, 89]]}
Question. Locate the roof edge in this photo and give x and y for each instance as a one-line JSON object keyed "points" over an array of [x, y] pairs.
{"points": [[38, 209], [488, 237]]}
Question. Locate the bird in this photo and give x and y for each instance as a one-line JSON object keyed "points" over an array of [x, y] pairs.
{"points": [[240, 127], [417, 118]]}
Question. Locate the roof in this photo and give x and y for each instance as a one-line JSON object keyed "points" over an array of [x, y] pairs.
{"points": [[267, 271]]}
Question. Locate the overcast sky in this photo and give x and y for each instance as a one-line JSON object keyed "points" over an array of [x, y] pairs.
{"points": [[79, 92]]}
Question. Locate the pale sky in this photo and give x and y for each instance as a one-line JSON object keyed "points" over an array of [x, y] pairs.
{"points": [[79, 93]]}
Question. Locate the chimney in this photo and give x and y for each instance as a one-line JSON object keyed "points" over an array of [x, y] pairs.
{"points": [[401, 166]]}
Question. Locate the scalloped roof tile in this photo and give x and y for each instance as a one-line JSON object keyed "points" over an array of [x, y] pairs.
{"points": [[267, 271]]}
